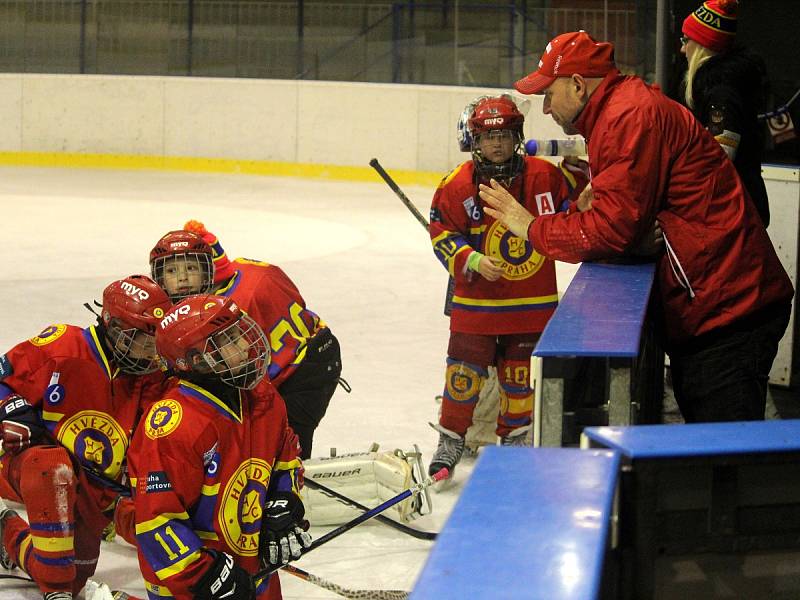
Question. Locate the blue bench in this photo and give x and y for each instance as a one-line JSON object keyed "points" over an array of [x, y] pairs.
{"points": [[530, 523], [601, 316], [721, 489]]}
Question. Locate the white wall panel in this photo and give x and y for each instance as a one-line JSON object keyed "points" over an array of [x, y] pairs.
{"points": [[783, 189], [93, 114], [348, 124], [10, 113], [240, 119]]}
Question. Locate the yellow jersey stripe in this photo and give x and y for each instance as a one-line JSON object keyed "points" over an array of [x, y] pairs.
{"points": [[210, 490], [160, 520], [179, 566], [505, 301]]}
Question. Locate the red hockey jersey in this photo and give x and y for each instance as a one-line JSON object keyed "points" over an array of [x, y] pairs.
{"points": [[524, 298], [201, 472], [89, 408], [267, 294]]}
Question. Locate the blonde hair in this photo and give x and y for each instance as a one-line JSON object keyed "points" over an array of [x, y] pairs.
{"points": [[696, 56]]}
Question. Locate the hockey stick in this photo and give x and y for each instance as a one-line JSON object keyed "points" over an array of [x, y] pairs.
{"points": [[343, 591], [438, 476], [396, 189], [451, 284], [417, 533], [25, 579]]}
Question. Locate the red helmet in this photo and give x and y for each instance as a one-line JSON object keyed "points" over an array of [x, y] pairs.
{"points": [[182, 263], [497, 113], [132, 307], [209, 334]]}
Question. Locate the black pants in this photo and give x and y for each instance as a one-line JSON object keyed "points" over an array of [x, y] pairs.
{"points": [[724, 377], [307, 392]]}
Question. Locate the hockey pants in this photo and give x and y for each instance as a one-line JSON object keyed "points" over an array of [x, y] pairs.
{"points": [[468, 358], [308, 391], [59, 548]]}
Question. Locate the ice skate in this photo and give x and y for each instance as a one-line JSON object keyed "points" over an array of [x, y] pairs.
{"points": [[517, 437], [5, 558], [448, 452]]}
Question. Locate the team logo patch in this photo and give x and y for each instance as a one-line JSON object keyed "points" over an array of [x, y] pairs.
{"points": [[163, 419], [5, 367], [463, 383], [520, 260], [48, 335], [95, 438], [240, 510], [157, 481]]}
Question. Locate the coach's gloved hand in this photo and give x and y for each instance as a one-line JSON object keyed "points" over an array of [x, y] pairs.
{"points": [[224, 579], [283, 535], [20, 424]]}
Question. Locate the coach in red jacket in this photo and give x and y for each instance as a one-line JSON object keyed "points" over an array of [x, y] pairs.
{"points": [[724, 295]]}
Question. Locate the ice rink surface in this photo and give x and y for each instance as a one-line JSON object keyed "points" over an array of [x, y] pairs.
{"points": [[361, 261]]}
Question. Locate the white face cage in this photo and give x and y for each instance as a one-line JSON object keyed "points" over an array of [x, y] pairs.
{"points": [[239, 354], [134, 350], [182, 275], [501, 171]]}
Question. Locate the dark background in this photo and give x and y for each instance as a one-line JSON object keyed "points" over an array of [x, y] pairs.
{"points": [[770, 29]]}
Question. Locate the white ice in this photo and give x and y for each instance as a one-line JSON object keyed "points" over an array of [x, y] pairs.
{"points": [[361, 261]]}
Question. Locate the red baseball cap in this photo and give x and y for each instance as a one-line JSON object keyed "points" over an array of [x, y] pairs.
{"points": [[568, 54]]}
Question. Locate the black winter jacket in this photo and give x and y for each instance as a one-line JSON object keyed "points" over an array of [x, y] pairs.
{"points": [[727, 92]]}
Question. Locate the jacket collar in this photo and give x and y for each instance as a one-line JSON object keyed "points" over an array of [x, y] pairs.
{"points": [[590, 113]]}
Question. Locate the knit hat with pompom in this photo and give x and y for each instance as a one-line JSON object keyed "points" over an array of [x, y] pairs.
{"points": [[223, 268]]}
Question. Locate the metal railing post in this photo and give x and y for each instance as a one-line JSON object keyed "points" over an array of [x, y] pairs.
{"points": [[82, 57], [300, 65], [190, 34]]}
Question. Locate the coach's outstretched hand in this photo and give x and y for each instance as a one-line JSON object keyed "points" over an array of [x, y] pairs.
{"points": [[504, 207]]}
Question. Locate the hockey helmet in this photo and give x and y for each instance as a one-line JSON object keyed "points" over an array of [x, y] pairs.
{"points": [[182, 263], [210, 335], [497, 113], [132, 308]]}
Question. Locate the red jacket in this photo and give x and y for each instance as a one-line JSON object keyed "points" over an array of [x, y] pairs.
{"points": [[650, 159]]}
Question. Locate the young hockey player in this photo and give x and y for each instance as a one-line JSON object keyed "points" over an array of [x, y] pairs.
{"points": [[214, 465], [504, 291], [70, 399], [306, 360]]}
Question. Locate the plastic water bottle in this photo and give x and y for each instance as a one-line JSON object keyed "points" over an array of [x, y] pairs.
{"points": [[564, 147]]}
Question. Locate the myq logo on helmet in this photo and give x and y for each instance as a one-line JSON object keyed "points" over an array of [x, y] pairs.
{"points": [[494, 121], [173, 316], [134, 291]]}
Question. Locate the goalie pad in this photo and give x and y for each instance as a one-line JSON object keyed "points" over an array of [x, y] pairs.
{"points": [[369, 478]]}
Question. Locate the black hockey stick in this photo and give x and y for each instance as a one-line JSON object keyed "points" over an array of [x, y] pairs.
{"points": [[396, 189], [417, 533], [19, 577], [343, 591], [415, 489], [451, 284]]}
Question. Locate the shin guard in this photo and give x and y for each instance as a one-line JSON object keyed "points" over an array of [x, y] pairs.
{"points": [[516, 395], [462, 388]]}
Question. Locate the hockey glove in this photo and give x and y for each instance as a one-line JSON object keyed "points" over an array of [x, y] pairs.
{"points": [[282, 536], [224, 579], [20, 424]]}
